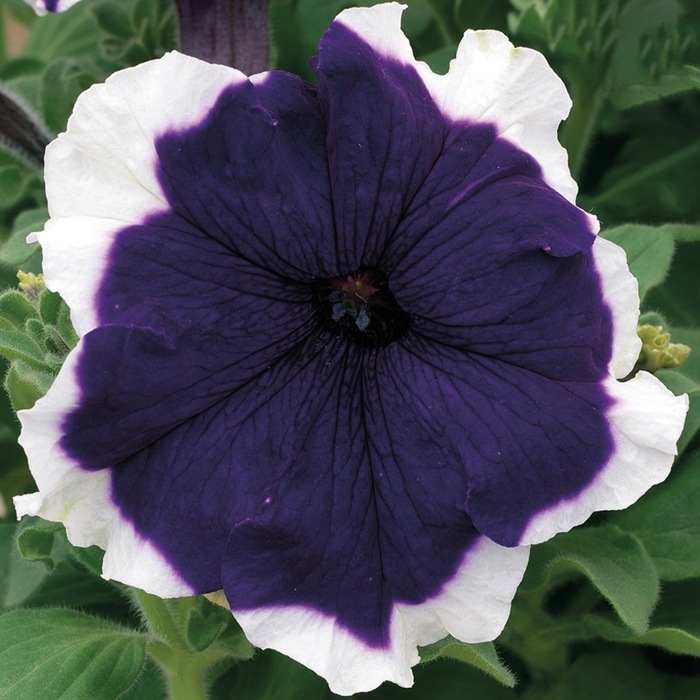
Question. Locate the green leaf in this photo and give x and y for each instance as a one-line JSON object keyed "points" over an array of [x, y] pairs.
{"points": [[678, 298], [16, 345], [50, 306], [650, 50], [209, 624], [149, 686], [649, 252], [112, 20], [684, 233], [65, 327], [201, 630], [270, 676], [675, 625], [23, 577], [36, 543], [12, 186], [61, 83], [7, 544], [652, 176], [25, 385], [63, 34], [614, 561], [483, 656], [16, 308], [66, 655], [444, 679], [617, 674], [666, 521], [679, 384], [70, 585]]}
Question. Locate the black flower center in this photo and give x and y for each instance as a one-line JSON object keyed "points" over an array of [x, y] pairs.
{"points": [[361, 306]]}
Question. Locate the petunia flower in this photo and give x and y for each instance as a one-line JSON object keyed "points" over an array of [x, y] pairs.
{"points": [[345, 350], [42, 7]]}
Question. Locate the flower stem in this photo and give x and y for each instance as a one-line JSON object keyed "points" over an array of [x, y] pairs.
{"points": [[182, 667], [184, 673], [230, 32]]}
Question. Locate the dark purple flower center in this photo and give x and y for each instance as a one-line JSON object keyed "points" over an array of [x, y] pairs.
{"points": [[361, 306]]}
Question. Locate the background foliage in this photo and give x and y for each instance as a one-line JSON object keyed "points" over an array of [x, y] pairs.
{"points": [[609, 610]]}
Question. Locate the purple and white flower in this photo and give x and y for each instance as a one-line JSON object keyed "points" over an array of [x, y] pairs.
{"points": [[42, 7], [345, 350]]}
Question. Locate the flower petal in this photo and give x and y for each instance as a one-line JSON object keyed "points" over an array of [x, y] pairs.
{"points": [[489, 258], [645, 418], [105, 164], [193, 323], [489, 81], [384, 134], [254, 176], [83, 500], [473, 606], [522, 441], [102, 173]]}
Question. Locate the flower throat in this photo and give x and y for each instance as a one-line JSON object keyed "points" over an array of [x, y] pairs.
{"points": [[361, 306]]}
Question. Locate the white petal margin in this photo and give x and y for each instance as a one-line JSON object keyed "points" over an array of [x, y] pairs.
{"points": [[473, 607], [82, 499], [39, 6], [105, 164], [489, 81], [645, 420], [101, 174]]}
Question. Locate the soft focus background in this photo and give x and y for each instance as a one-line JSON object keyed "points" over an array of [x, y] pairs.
{"points": [[588, 622]]}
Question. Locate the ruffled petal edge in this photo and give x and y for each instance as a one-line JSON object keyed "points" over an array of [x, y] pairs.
{"points": [[489, 81], [645, 418], [82, 499], [473, 607]]}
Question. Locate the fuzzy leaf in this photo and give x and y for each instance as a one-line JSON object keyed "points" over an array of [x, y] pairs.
{"points": [[16, 308], [678, 298], [26, 385], [679, 384], [614, 561], [201, 632], [16, 345], [649, 252], [12, 186], [36, 543], [483, 656], [65, 327], [52, 654], [675, 625], [50, 306], [16, 250], [666, 521]]}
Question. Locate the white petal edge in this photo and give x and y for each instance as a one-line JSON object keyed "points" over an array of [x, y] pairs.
{"points": [[76, 253], [489, 81], [621, 294], [39, 6], [101, 174], [82, 499], [645, 420], [473, 607], [105, 164]]}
